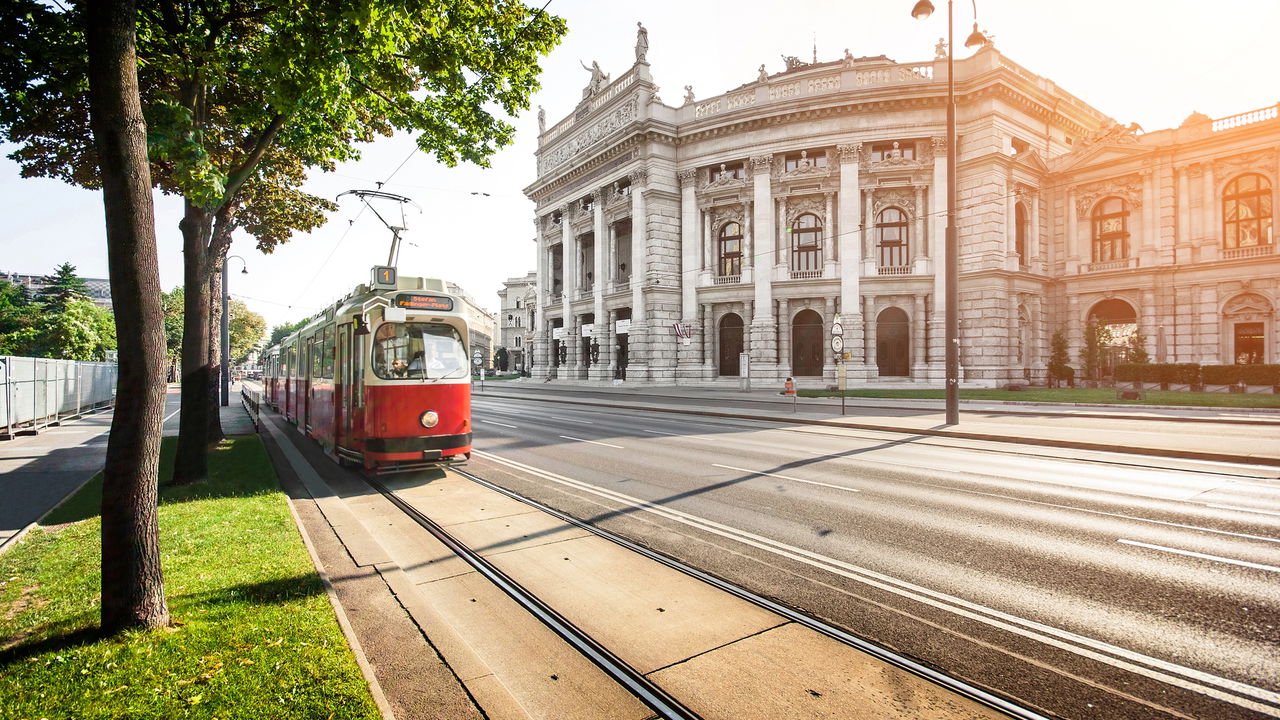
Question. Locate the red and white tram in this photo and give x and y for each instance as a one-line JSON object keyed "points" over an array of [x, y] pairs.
{"points": [[380, 378]]}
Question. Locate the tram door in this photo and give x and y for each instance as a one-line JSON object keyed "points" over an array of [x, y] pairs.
{"points": [[342, 393], [312, 360]]}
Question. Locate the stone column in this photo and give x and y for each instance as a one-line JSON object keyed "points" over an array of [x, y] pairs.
{"points": [[569, 268], [599, 371], [829, 363], [919, 236], [830, 248], [687, 356], [938, 239], [763, 333], [784, 337], [1033, 236], [919, 352], [707, 340], [1037, 352], [869, 303], [748, 245], [851, 241], [607, 354], [539, 360], [869, 227], [637, 343], [1072, 245], [1210, 211], [708, 244], [1011, 227]]}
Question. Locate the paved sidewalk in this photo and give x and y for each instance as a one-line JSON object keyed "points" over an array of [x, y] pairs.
{"points": [[1219, 434]]}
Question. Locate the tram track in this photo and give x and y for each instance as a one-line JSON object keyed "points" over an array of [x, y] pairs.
{"points": [[654, 696]]}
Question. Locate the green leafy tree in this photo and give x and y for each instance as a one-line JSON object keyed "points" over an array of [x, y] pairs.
{"points": [[1095, 338], [1059, 359], [246, 328], [242, 97], [80, 331], [280, 332], [171, 302], [61, 288], [502, 359], [1137, 352], [17, 314]]}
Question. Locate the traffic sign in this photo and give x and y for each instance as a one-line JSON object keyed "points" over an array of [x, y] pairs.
{"points": [[477, 359], [837, 344], [837, 329]]}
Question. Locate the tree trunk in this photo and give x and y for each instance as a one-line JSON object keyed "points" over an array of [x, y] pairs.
{"points": [[191, 464], [132, 581], [215, 350]]}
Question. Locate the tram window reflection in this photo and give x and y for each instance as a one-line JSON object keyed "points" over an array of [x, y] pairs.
{"points": [[430, 351]]}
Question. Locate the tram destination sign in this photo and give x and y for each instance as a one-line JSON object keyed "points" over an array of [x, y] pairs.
{"points": [[424, 302]]}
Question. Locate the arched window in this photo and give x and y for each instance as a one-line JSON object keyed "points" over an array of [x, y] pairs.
{"points": [[730, 250], [1246, 212], [1021, 231], [1110, 230], [806, 243], [892, 237]]}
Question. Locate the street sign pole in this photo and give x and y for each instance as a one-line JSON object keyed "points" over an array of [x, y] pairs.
{"points": [[478, 361], [837, 348]]}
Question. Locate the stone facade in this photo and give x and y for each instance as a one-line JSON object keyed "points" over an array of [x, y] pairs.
{"points": [[516, 301], [672, 241], [482, 325]]}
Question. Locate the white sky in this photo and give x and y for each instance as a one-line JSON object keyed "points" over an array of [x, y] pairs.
{"points": [[1213, 57]]}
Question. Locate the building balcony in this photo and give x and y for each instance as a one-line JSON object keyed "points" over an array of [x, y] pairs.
{"points": [[1110, 265], [1248, 252], [889, 270], [726, 279], [804, 274], [622, 285]]}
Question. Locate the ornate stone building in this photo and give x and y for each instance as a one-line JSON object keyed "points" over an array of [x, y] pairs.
{"points": [[516, 302], [673, 239]]}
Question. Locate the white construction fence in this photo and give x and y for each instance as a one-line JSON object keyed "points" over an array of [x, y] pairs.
{"points": [[39, 392]]}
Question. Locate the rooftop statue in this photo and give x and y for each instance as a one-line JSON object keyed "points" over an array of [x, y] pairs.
{"points": [[598, 79], [642, 43]]}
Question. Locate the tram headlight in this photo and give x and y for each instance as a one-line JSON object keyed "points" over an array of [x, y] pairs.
{"points": [[429, 419]]}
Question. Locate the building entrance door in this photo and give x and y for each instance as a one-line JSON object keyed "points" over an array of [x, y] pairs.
{"points": [[806, 344], [1249, 343], [893, 343], [730, 344]]}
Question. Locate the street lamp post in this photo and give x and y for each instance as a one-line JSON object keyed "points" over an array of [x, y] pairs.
{"points": [[951, 260], [226, 329]]}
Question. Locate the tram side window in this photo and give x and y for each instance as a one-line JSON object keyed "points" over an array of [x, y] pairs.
{"points": [[327, 353], [433, 351]]}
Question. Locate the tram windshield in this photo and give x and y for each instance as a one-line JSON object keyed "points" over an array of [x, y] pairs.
{"points": [[429, 351]]}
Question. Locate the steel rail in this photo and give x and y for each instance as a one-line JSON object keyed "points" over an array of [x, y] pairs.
{"points": [[630, 678], [960, 687]]}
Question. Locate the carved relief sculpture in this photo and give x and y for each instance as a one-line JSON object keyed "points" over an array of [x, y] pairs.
{"points": [[849, 153], [1128, 187], [904, 198]]}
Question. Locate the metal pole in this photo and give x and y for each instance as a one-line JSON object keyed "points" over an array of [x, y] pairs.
{"points": [[952, 250], [226, 338]]}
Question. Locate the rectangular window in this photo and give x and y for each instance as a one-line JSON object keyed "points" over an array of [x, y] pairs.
{"points": [[805, 159], [1249, 343], [886, 151]]}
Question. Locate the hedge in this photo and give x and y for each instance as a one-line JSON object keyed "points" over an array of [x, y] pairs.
{"points": [[1194, 374]]}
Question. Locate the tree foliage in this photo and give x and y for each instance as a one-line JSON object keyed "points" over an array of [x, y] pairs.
{"points": [[1059, 359], [246, 329], [172, 304], [61, 288], [280, 332], [1096, 337]]}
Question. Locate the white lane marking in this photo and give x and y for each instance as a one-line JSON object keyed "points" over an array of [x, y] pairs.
{"points": [[504, 411], [1241, 509], [659, 432], [68, 432], [787, 477], [495, 422], [25, 448], [593, 442], [1202, 556], [166, 417], [568, 420], [1232, 691]]}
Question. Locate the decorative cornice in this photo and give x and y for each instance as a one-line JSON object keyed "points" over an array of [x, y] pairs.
{"points": [[687, 177]]}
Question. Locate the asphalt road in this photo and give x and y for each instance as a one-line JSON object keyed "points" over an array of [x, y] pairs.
{"points": [[1081, 584]]}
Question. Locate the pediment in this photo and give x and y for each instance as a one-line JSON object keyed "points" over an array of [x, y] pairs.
{"points": [[1031, 160], [1101, 154]]}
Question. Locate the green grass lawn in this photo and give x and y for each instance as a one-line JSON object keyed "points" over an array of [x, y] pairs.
{"points": [[1071, 395], [254, 635]]}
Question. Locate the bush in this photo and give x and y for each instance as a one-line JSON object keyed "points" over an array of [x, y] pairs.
{"points": [[1260, 374], [1131, 372], [1221, 374]]}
